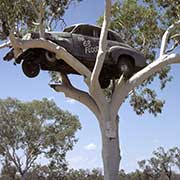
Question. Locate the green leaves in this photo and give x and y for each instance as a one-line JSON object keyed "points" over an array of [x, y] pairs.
{"points": [[162, 162], [146, 100], [21, 16], [35, 128]]}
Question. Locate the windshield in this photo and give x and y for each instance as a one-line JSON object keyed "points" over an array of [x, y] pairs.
{"points": [[68, 29]]}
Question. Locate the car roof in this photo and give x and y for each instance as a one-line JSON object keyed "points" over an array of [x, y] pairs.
{"points": [[73, 27]]}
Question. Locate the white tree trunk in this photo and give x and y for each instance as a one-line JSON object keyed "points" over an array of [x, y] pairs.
{"points": [[110, 152]]}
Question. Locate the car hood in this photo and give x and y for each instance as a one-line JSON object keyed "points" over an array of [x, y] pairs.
{"points": [[49, 35]]}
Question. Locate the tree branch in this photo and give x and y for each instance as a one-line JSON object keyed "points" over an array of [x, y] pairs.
{"points": [[6, 44], [41, 19], [122, 91], [173, 47], [70, 91], [102, 45], [166, 37], [60, 52], [95, 88]]}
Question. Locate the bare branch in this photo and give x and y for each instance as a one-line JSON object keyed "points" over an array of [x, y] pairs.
{"points": [[6, 44], [41, 18], [166, 37], [173, 47], [95, 88], [176, 39], [175, 36], [78, 95], [102, 46]]}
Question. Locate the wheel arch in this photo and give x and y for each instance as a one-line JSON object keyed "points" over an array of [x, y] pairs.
{"points": [[117, 52], [127, 57]]}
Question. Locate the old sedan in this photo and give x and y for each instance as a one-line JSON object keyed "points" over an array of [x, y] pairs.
{"points": [[82, 41]]}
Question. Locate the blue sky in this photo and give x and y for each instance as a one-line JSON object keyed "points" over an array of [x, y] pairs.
{"points": [[139, 135]]}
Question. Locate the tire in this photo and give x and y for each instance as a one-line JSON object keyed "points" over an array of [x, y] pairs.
{"points": [[125, 65], [30, 68]]}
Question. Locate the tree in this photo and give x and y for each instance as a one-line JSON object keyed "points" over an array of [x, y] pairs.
{"points": [[176, 152], [22, 16], [160, 164], [106, 109], [29, 130]]}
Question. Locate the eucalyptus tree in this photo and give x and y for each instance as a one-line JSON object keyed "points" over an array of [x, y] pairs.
{"points": [[29, 130], [136, 18], [161, 164]]}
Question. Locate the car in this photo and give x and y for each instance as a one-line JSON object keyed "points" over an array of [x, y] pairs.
{"points": [[82, 41]]}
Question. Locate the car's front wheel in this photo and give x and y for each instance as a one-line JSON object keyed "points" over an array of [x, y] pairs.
{"points": [[125, 66], [30, 68]]}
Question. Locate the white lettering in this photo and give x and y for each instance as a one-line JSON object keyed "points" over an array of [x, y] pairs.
{"points": [[90, 50]]}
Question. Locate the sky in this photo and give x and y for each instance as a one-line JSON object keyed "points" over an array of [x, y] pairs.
{"points": [[139, 135]]}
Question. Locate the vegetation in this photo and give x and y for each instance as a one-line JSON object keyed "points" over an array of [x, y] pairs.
{"points": [[33, 130], [23, 15], [163, 165]]}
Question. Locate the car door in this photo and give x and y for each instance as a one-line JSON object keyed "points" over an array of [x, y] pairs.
{"points": [[85, 43]]}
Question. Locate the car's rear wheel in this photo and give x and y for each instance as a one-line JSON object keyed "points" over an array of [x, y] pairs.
{"points": [[125, 66], [30, 68]]}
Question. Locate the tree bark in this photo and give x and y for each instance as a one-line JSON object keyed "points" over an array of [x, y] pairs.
{"points": [[110, 153]]}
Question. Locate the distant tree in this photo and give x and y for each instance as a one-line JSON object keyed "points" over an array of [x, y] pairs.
{"points": [[29, 130], [160, 164], [81, 174], [177, 157]]}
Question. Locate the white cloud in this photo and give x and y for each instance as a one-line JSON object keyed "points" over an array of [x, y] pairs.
{"points": [[90, 147], [70, 101]]}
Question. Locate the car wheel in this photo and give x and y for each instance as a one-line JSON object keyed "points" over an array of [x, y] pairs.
{"points": [[125, 65], [30, 68], [104, 83]]}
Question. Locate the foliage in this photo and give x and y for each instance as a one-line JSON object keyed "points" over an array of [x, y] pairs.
{"points": [[161, 163], [141, 24], [21, 16], [29, 130]]}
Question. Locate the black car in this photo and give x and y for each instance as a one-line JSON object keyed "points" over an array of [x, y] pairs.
{"points": [[82, 41]]}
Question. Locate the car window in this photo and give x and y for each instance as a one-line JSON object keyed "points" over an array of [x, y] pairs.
{"points": [[112, 36], [87, 31]]}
